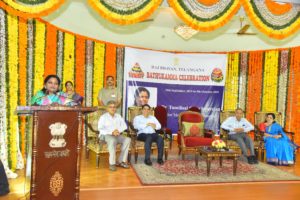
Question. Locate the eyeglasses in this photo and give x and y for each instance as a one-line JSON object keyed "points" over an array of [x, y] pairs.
{"points": [[111, 106]]}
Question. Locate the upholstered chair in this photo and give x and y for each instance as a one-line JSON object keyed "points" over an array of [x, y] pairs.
{"points": [[191, 133]]}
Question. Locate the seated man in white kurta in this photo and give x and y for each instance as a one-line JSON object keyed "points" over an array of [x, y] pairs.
{"points": [[111, 125]]}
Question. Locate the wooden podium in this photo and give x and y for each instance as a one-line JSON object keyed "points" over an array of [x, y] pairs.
{"points": [[55, 159]]}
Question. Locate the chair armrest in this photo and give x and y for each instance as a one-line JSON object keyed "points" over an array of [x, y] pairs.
{"points": [[208, 133], [292, 135], [90, 126]]}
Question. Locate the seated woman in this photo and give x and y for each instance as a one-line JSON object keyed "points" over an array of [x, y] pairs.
{"points": [[50, 94], [279, 148], [71, 94]]}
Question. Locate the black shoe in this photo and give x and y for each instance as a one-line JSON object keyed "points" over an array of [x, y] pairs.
{"points": [[148, 162], [250, 160], [160, 161], [254, 159]]}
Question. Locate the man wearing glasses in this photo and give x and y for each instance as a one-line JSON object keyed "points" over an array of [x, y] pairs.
{"points": [[111, 125], [147, 125]]}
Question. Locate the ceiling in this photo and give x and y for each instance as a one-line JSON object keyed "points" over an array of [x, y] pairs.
{"points": [[77, 16]]}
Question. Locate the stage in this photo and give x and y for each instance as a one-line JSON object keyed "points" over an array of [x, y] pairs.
{"points": [[123, 184]]}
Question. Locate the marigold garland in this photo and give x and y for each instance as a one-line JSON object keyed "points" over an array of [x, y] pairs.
{"points": [[282, 82], [69, 58], [290, 23], [255, 72], [99, 53], [51, 45], [80, 66], [205, 18], [30, 10], [232, 82], [22, 78], [125, 12], [39, 56], [12, 88], [293, 105], [110, 64], [270, 84], [278, 8]]}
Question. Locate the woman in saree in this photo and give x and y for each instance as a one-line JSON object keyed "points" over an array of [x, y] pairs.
{"points": [[71, 94], [50, 93], [279, 148]]}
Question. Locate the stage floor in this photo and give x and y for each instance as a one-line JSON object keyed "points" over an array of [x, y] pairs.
{"points": [[100, 183]]}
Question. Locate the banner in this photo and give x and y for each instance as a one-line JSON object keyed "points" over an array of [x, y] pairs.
{"points": [[177, 81]]}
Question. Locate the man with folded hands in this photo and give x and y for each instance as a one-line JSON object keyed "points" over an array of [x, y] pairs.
{"points": [[111, 125], [147, 125]]}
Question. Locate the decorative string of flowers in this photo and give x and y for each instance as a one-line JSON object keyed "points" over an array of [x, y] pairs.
{"points": [[269, 96], [89, 72], [232, 82], [99, 54], [29, 8], [265, 16], [39, 55], [69, 61], [205, 17], [255, 76], [125, 12], [282, 82], [243, 79]]}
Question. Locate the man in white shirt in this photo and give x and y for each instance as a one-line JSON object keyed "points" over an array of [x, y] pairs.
{"points": [[147, 125], [111, 125], [238, 128]]}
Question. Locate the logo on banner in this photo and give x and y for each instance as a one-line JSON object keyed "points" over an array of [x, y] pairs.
{"points": [[217, 75], [58, 131], [136, 71]]}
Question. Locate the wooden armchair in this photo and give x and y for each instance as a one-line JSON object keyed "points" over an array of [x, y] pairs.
{"points": [[224, 114], [137, 145], [259, 117], [188, 141], [161, 114], [93, 142]]}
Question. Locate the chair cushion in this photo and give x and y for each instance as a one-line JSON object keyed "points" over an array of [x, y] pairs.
{"points": [[197, 141], [192, 129]]}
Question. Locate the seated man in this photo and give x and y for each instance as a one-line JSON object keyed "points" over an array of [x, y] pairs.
{"points": [[238, 128], [147, 125], [111, 125]]}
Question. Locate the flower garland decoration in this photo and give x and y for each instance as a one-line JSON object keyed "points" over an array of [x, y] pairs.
{"points": [[12, 87], [110, 52], [203, 15], [254, 87], [125, 12], [69, 61], [270, 84], [22, 36], [29, 8], [273, 19], [243, 79], [39, 56], [51, 48], [60, 54], [232, 82], [89, 72], [99, 53], [293, 106], [282, 82], [80, 66], [3, 105]]}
